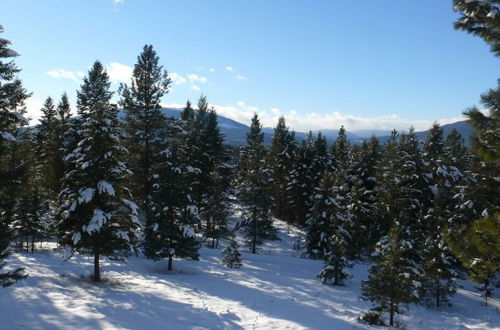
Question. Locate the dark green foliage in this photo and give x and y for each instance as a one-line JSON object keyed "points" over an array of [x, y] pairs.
{"points": [[12, 165], [477, 246], [486, 139], [231, 257], [97, 214], [389, 284], [281, 159], [254, 184], [480, 18], [145, 124], [169, 233]]}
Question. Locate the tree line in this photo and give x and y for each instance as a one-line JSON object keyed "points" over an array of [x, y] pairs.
{"points": [[124, 178]]}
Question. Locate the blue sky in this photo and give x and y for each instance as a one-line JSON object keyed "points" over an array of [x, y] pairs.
{"points": [[364, 64]]}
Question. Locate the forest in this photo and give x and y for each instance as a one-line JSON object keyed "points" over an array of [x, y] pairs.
{"points": [[119, 180]]}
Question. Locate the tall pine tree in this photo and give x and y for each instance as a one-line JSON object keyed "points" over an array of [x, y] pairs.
{"points": [[97, 214]]}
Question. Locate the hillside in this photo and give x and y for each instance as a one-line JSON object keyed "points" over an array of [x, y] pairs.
{"points": [[235, 132], [273, 290]]}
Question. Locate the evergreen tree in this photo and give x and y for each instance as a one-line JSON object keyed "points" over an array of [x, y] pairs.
{"points": [[97, 215], [254, 179], [32, 215], [477, 248], [169, 232], [303, 180], [217, 202], [389, 283], [480, 18], [437, 263], [145, 122], [12, 98], [281, 158], [231, 257], [362, 177], [485, 141]]}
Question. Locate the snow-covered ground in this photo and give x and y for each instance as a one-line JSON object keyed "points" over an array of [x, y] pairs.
{"points": [[273, 290]]}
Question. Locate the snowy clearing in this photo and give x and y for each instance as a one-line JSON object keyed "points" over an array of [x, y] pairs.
{"points": [[273, 290]]}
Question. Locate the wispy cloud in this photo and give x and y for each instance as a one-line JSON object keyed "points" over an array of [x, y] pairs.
{"points": [[118, 1], [211, 70], [304, 122], [229, 68], [61, 73], [195, 78], [195, 88], [241, 77], [119, 72], [177, 79]]}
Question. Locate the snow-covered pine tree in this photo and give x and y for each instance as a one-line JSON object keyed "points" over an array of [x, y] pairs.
{"points": [[477, 249], [437, 262], [389, 284], [322, 219], [170, 231], [281, 157], [361, 210], [301, 185], [33, 214], [145, 123], [97, 213], [480, 18], [253, 184], [204, 153], [12, 98], [231, 257], [326, 236], [340, 150], [216, 204]]}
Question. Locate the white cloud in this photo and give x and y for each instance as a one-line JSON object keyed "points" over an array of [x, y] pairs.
{"points": [[195, 78], [194, 88], [33, 107], [118, 1], [211, 70], [229, 68], [240, 77], [177, 79], [61, 73], [301, 122], [119, 72]]}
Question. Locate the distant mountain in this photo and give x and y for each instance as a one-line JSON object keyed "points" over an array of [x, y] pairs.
{"points": [[236, 133], [462, 127]]}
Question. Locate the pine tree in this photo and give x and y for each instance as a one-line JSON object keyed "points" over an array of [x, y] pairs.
{"points": [[477, 248], [389, 284], [485, 141], [32, 214], [97, 214], [254, 179], [169, 232], [145, 122], [12, 98], [480, 18], [281, 158], [217, 202], [231, 257], [362, 179], [437, 262]]}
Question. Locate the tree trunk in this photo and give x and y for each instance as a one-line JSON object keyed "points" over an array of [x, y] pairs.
{"points": [[437, 293], [33, 243], [391, 312], [170, 259], [254, 239], [97, 271]]}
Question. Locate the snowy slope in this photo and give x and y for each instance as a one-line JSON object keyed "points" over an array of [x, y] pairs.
{"points": [[273, 290]]}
